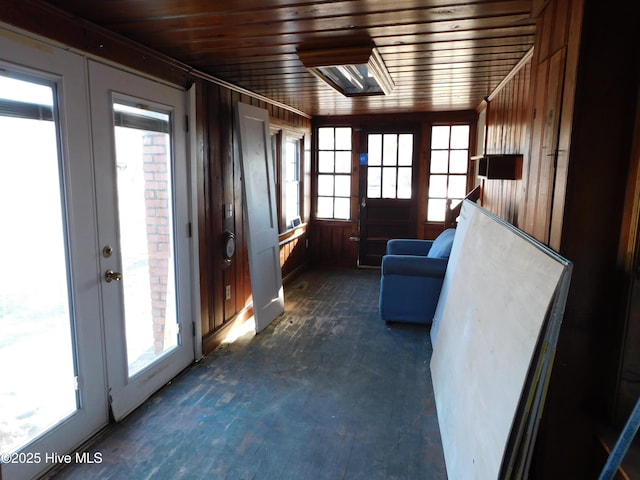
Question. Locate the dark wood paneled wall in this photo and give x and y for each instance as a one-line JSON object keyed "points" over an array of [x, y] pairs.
{"points": [[525, 114], [507, 121], [221, 187], [331, 246], [597, 160], [580, 90], [570, 111], [294, 257]]}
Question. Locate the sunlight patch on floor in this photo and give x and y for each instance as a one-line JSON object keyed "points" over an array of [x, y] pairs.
{"points": [[240, 330]]}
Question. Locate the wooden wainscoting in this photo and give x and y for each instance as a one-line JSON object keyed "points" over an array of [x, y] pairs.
{"points": [[294, 245], [331, 244]]}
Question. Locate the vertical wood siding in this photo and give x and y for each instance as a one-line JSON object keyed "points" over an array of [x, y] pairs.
{"points": [[525, 117], [507, 123], [221, 185]]}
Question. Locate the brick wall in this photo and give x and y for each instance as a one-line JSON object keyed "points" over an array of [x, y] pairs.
{"points": [[158, 215]]}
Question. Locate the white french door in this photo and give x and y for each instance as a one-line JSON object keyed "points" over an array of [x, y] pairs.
{"points": [[139, 130], [53, 388], [95, 295]]}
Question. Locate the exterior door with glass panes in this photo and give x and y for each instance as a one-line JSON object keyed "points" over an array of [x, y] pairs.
{"points": [[388, 199], [52, 391], [141, 168]]}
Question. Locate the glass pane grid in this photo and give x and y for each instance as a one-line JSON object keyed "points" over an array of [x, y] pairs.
{"points": [[394, 152], [334, 173], [448, 168]]}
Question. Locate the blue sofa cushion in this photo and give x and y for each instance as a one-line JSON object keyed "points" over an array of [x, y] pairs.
{"points": [[442, 245]]}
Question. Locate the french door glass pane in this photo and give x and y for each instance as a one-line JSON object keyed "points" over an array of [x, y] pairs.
{"points": [[143, 168], [37, 352]]}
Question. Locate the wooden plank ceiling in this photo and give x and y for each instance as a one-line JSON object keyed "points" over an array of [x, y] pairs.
{"points": [[441, 54]]}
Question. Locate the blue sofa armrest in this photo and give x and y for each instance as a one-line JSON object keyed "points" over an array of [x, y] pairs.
{"points": [[415, 266], [404, 246]]}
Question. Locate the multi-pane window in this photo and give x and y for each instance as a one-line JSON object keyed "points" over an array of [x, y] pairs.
{"points": [[390, 161], [448, 170], [292, 180], [334, 173]]}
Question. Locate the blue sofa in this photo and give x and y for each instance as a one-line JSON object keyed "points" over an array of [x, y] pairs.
{"points": [[411, 278]]}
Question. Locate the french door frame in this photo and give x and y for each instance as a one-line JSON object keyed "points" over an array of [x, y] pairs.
{"points": [[109, 84], [69, 72]]}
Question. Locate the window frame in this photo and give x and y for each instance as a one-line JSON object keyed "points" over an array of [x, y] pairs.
{"points": [[346, 176], [280, 136], [448, 200], [287, 181]]}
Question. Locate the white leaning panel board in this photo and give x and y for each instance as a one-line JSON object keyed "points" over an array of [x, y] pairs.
{"points": [[501, 286]]}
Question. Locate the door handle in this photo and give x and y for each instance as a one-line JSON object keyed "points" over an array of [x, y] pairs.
{"points": [[110, 276], [363, 203]]}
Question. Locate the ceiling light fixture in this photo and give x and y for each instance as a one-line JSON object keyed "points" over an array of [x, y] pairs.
{"points": [[352, 71]]}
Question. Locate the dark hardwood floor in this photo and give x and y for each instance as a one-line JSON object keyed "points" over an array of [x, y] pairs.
{"points": [[328, 391]]}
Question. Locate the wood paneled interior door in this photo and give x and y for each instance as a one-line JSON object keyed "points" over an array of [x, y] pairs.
{"points": [[541, 176], [388, 193]]}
